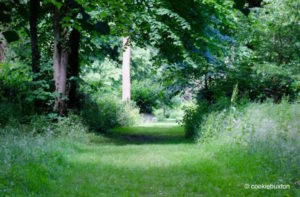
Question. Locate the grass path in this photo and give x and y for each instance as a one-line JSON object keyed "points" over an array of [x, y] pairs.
{"points": [[156, 160]]}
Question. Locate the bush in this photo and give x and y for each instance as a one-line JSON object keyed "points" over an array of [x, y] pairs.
{"points": [[128, 114], [14, 81], [258, 82], [107, 112], [19, 92], [192, 118], [146, 95], [159, 114], [176, 114]]}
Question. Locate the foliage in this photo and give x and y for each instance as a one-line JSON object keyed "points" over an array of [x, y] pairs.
{"points": [[271, 61], [106, 112], [100, 76], [261, 55], [15, 92], [172, 111], [160, 114], [230, 62], [192, 118], [275, 37], [15, 79], [19, 91], [146, 95]]}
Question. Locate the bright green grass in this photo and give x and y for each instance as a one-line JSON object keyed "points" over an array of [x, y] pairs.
{"points": [[141, 161]]}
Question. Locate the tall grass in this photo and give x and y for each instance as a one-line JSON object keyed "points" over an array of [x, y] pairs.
{"points": [[33, 154], [268, 133], [254, 144]]}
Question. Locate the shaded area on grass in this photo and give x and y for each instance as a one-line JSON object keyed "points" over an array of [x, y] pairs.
{"points": [[154, 133]]}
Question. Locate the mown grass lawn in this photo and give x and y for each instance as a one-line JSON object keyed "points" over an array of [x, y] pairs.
{"points": [[148, 161]]}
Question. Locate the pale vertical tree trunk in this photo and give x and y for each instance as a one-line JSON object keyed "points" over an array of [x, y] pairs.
{"points": [[126, 69], [60, 62]]}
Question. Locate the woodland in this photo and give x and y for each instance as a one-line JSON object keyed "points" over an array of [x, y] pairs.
{"points": [[149, 97]]}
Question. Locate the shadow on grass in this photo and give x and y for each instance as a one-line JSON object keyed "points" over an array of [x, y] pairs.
{"points": [[148, 135]]}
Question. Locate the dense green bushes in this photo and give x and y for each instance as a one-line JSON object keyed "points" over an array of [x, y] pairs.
{"points": [[15, 91], [193, 117], [107, 112], [14, 80], [19, 93], [258, 82], [146, 95], [19, 84]]}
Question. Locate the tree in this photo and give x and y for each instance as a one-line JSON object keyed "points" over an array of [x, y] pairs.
{"points": [[126, 69], [2, 47], [6, 33], [66, 66], [275, 45], [35, 54], [60, 62], [73, 74]]}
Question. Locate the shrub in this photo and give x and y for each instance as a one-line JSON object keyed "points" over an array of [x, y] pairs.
{"points": [[128, 114], [107, 112], [192, 118], [146, 95], [14, 81], [19, 92], [176, 114], [159, 114]]}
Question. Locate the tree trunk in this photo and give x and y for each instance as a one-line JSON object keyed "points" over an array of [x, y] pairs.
{"points": [[35, 54], [126, 69], [60, 62], [207, 92], [2, 48], [73, 73]]}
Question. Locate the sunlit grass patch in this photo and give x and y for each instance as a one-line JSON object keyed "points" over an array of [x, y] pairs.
{"points": [[155, 129]]}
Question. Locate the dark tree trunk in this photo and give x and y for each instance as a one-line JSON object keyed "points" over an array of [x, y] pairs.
{"points": [[73, 73], [60, 62], [207, 92], [35, 54]]}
